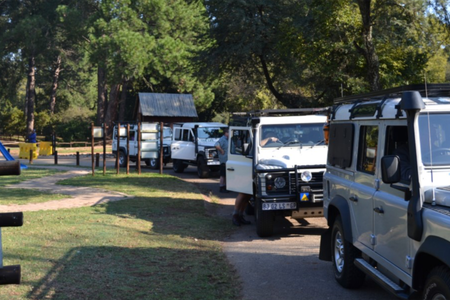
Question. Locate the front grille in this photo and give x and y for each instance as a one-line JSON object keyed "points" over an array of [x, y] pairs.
{"points": [[316, 184]]}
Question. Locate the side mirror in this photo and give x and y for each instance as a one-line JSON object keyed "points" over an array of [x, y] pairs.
{"points": [[390, 169]]}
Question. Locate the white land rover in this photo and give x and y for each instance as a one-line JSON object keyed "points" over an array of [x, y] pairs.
{"points": [[149, 147], [387, 191], [284, 170], [193, 144]]}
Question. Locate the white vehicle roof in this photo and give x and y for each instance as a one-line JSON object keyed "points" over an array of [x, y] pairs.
{"points": [[199, 124], [389, 110], [293, 120]]}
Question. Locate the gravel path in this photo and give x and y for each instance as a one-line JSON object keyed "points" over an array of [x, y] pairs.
{"points": [[78, 196]]}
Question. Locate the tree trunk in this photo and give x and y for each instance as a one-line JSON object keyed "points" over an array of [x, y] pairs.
{"points": [[101, 94], [123, 99], [111, 113], [368, 49], [55, 84], [31, 82]]}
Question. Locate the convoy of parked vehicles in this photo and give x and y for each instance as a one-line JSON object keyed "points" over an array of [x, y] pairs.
{"points": [[381, 180]]}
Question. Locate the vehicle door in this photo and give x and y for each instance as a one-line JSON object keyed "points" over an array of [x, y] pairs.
{"points": [[133, 142], [390, 213], [183, 146], [239, 165], [364, 185]]}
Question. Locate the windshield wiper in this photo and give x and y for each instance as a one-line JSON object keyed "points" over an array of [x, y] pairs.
{"points": [[318, 143], [289, 143]]}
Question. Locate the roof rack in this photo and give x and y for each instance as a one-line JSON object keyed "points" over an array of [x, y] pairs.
{"points": [[423, 89]]}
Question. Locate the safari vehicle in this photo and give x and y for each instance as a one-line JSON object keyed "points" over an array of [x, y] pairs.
{"points": [[389, 218], [193, 144], [150, 144], [285, 174]]}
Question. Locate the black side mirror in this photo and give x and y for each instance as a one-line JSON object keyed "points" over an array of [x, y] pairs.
{"points": [[390, 169]]}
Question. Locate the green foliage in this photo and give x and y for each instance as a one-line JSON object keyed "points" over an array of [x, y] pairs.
{"points": [[12, 120], [74, 124]]}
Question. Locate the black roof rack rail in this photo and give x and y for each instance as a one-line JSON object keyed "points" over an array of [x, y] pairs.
{"points": [[442, 89]]}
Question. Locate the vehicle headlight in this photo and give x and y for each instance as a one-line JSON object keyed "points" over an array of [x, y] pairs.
{"points": [[306, 176], [212, 154], [279, 182]]}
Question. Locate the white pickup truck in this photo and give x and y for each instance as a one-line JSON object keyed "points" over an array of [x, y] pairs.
{"points": [[279, 158]]}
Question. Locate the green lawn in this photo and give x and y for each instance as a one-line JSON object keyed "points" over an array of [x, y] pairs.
{"points": [[159, 245]]}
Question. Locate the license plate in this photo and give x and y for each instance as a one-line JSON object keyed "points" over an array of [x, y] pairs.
{"points": [[213, 163], [279, 206]]}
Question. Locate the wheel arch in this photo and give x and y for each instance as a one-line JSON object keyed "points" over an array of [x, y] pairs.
{"points": [[339, 206], [432, 253]]}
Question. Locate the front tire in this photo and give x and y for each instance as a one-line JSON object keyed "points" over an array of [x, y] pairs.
{"points": [[343, 255], [437, 286], [178, 166], [202, 168], [264, 220]]}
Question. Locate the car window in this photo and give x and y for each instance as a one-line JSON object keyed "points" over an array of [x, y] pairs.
{"points": [[240, 142], [368, 143]]}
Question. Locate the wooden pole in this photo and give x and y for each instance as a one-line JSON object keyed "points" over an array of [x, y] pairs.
{"points": [[138, 165], [78, 158], [104, 148], [128, 149], [161, 148], [92, 148], [118, 149]]}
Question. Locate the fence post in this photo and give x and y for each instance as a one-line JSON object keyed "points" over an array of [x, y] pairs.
{"points": [[56, 157], [97, 160], [31, 156], [78, 158], [92, 148]]}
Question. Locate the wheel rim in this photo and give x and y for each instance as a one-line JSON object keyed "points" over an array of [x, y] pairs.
{"points": [[438, 297], [153, 162], [121, 159], [339, 252]]}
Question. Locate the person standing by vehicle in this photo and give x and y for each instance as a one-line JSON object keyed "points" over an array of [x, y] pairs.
{"points": [[222, 147]]}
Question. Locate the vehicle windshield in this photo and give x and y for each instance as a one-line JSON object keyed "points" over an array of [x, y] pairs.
{"points": [[434, 133], [209, 132], [291, 134]]}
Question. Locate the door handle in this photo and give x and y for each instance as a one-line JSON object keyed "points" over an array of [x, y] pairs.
{"points": [[353, 198], [230, 169], [378, 210]]}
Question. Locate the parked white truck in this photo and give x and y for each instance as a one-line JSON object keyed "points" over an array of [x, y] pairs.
{"points": [[193, 144], [150, 144], [279, 157], [387, 191]]}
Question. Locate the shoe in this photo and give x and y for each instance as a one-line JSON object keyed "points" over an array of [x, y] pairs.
{"points": [[244, 221], [223, 190], [236, 221]]}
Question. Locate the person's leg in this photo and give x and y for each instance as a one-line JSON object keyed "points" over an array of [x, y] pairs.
{"points": [[243, 204], [222, 182], [237, 207]]}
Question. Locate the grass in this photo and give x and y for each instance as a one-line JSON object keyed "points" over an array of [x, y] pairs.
{"points": [[25, 196], [159, 245]]}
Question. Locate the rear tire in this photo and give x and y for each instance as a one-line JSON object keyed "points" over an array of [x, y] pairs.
{"points": [[178, 166], [202, 168], [122, 159], [343, 255], [264, 220], [154, 163], [437, 285]]}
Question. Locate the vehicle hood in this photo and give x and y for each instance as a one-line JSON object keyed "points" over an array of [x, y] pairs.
{"points": [[289, 157]]}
